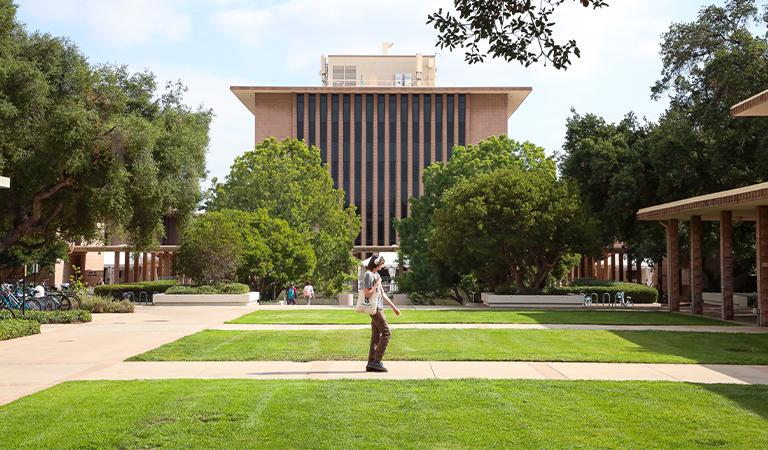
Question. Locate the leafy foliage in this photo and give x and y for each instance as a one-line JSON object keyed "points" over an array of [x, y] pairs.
{"points": [[287, 180], [510, 226], [515, 30], [211, 249], [71, 316], [13, 328], [229, 288], [430, 273], [89, 148], [116, 290], [695, 148], [97, 304]]}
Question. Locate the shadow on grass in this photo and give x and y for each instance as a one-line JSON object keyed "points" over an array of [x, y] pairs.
{"points": [[307, 372], [750, 398], [702, 347]]}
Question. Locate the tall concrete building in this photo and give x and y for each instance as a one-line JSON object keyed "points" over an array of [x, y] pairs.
{"points": [[376, 132]]}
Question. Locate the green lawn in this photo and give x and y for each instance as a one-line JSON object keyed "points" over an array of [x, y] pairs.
{"points": [[348, 316], [387, 414], [469, 345]]}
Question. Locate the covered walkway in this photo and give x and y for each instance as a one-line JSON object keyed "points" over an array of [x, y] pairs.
{"points": [[749, 203]]}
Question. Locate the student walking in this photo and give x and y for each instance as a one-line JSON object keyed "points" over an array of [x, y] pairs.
{"points": [[290, 295], [380, 333], [309, 293]]}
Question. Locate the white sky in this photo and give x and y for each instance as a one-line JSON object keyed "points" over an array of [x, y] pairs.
{"points": [[213, 44]]}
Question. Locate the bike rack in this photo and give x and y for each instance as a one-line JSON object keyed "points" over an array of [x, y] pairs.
{"points": [[144, 297]]}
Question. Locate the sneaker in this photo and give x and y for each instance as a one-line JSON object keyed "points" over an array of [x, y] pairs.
{"points": [[376, 367]]}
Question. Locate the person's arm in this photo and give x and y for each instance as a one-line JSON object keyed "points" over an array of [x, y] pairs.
{"points": [[386, 298]]}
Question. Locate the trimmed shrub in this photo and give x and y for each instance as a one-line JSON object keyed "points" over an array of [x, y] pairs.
{"points": [[117, 290], [13, 328], [96, 304], [230, 288], [640, 293], [590, 282], [234, 288], [73, 316]]}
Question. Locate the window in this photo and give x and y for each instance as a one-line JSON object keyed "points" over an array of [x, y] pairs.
{"points": [[403, 155], [380, 168], [300, 116], [462, 121], [335, 139], [312, 125], [427, 130], [415, 140], [324, 128], [368, 168], [439, 127], [345, 139], [451, 125]]}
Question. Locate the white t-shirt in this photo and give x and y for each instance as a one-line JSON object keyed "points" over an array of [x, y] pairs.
{"points": [[309, 291]]}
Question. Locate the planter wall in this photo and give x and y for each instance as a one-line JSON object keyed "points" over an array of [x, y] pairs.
{"points": [[511, 300], [716, 298], [206, 299]]}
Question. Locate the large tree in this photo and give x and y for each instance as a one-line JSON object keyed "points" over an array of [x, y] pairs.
{"points": [[696, 147], [287, 180], [514, 30], [510, 227], [89, 149], [428, 273]]}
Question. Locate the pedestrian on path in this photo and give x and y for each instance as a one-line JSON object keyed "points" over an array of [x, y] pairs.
{"points": [[290, 294], [380, 332], [309, 293]]}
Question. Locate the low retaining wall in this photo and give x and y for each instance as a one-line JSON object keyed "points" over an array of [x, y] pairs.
{"points": [[511, 300], [716, 298], [206, 299]]}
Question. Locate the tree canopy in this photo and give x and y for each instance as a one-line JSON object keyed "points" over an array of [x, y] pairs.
{"points": [[430, 273], [696, 147], [518, 30], [510, 227], [89, 149], [288, 181]]}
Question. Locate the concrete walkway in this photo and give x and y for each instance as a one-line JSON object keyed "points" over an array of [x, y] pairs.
{"points": [[399, 370], [65, 352], [501, 326]]}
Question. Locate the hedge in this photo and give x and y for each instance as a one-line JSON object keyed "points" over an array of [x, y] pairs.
{"points": [[72, 316], [231, 288], [640, 293], [117, 290], [96, 304], [13, 328]]}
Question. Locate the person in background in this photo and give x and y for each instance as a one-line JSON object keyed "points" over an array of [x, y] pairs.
{"points": [[309, 293], [290, 294]]}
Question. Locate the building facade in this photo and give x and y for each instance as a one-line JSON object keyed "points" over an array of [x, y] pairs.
{"points": [[377, 140]]}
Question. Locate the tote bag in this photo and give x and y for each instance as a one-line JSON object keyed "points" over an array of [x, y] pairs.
{"points": [[365, 305]]}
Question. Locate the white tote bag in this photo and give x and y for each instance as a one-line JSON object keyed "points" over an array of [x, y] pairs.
{"points": [[365, 305]]}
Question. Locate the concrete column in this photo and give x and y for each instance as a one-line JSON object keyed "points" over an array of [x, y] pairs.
{"points": [[363, 173], [697, 304], [144, 267], [673, 265], [761, 244], [116, 270], [136, 273], [160, 265], [610, 276], [726, 263], [127, 268], [153, 266], [621, 265]]}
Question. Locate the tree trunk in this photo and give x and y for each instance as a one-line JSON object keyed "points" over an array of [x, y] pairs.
{"points": [[34, 222]]}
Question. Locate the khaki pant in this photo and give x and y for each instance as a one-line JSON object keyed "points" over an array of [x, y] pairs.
{"points": [[380, 335]]}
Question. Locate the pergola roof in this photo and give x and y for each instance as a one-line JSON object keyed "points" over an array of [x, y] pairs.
{"points": [[742, 202], [757, 105]]}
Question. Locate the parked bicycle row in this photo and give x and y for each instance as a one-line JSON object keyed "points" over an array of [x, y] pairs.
{"points": [[36, 298]]}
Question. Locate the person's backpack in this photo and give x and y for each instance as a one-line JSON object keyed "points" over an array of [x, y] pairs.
{"points": [[291, 293]]}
